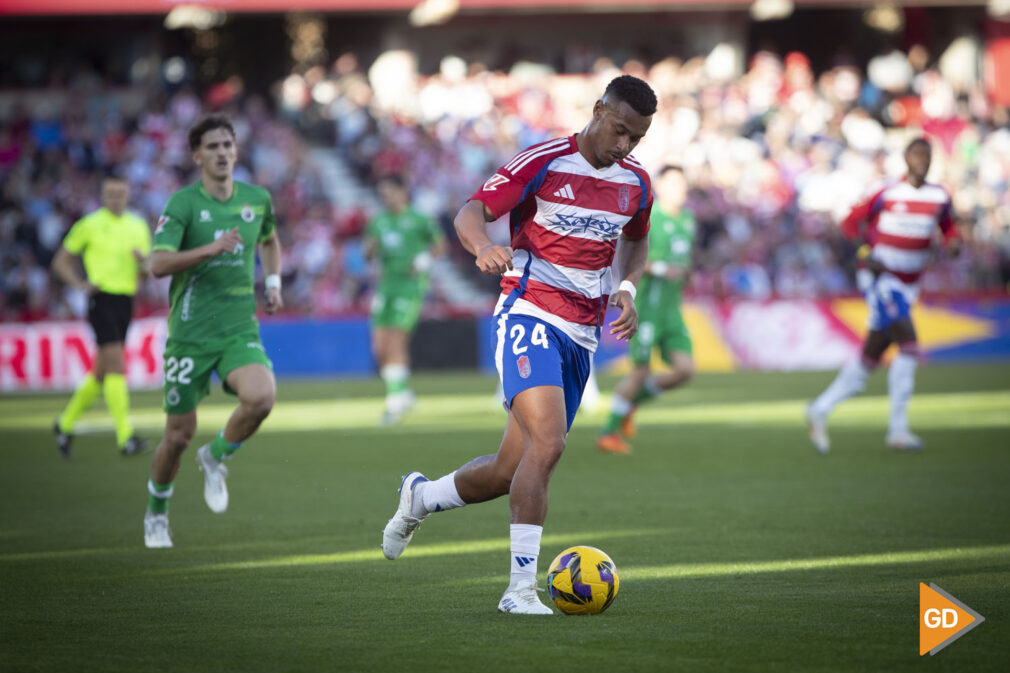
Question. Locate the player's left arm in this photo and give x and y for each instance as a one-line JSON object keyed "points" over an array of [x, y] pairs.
{"points": [[630, 260], [270, 256]]}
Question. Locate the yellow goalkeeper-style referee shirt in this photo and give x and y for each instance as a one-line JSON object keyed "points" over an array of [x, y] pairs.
{"points": [[107, 242]]}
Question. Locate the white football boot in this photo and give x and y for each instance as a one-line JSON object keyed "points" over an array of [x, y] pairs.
{"points": [[904, 441], [397, 533], [215, 491], [818, 424], [157, 534], [523, 600]]}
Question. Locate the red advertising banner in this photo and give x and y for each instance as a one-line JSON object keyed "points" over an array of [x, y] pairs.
{"points": [[57, 355]]}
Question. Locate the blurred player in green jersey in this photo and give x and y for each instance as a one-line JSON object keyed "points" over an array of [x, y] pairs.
{"points": [[660, 324], [206, 240], [114, 244], [405, 243]]}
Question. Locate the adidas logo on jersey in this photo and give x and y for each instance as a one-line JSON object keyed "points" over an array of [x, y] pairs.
{"points": [[524, 561], [566, 193]]}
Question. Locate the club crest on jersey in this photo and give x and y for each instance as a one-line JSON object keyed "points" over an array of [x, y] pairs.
{"points": [[205, 216], [172, 396], [623, 198], [247, 213], [524, 366]]}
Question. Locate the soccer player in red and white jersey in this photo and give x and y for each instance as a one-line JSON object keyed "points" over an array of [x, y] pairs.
{"points": [[578, 205], [902, 220]]}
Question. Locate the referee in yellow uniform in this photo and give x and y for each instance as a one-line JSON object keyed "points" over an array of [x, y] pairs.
{"points": [[115, 244]]}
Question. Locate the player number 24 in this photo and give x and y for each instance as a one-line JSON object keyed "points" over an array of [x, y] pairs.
{"points": [[178, 370], [537, 338]]}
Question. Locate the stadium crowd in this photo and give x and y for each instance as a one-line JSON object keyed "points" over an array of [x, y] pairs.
{"points": [[775, 155]]}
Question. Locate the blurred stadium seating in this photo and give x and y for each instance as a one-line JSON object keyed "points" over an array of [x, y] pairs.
{"points": [[775, 150]]}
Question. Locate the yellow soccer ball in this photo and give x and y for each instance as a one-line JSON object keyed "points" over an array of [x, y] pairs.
{"points": [[582, 581]]}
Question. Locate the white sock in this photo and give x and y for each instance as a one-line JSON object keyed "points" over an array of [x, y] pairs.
{"points": [[393, 373], [620, 406], [395, 377], [525, 548], [436, 496], [900, 384], [850, 380]]}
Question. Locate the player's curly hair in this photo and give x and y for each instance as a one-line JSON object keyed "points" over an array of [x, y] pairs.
{"points": [[208, 123], [634, 92]]}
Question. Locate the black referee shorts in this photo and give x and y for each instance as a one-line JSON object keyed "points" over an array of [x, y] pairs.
{"points": [[109, 315]]}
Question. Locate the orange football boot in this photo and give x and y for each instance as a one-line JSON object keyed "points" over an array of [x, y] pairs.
{"points": [[613, 444]]}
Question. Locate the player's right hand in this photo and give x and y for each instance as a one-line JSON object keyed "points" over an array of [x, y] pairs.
{"points": [[228, 241], [494, 260]]}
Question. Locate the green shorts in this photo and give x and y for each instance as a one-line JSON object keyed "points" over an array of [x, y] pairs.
{"points": [[398, 306], [669, 337], [188, 367]]}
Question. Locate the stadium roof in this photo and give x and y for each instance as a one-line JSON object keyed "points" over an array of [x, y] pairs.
{"points": [[78, 7]]}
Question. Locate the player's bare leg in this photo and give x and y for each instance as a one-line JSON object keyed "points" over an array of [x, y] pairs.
{"points": [[850, 381], [540, 414], [483, 478], [256, 389], [900, 384], [179, 431]]}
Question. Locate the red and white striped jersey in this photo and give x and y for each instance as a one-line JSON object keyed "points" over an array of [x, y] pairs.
{"points": [[902, 220], [565, 219]]}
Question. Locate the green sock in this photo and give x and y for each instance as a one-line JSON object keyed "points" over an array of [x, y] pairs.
{"points": [[396, 377], [85, 394], [157, 496], [221, 448], [613, 422], [619, 410], [117, 399]]}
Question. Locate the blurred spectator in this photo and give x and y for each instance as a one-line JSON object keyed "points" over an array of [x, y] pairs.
{"points": [[775, 156]]}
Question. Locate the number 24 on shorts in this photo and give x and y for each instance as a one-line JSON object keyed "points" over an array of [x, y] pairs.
{"points": [[177, 370], [537, 338]]}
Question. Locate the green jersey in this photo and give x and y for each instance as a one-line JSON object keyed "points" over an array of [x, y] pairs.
{"points": [[671, 238], [215, 299], [399, 239]]}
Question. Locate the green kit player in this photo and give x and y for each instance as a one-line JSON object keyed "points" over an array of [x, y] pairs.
{"points": [[206, 241], [404, 242], [660, 324]]}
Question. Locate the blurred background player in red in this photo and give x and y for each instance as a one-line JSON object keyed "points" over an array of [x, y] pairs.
{"points": [[901, 221]]}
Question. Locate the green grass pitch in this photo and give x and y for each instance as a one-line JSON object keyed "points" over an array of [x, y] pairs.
{"points": [[739, 548]]}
